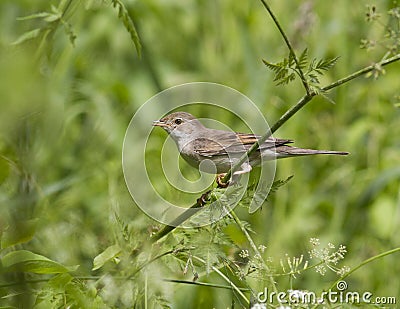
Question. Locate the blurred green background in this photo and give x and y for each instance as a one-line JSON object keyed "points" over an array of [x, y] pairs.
{"points": [[64, 113]]}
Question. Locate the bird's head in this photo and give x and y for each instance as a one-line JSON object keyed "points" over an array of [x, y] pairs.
{"points": [[179, 125]]}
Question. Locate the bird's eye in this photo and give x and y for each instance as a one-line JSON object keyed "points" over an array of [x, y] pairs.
{"points": [[178, 121]]}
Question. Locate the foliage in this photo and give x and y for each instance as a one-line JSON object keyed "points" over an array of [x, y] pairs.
{"points": [[70, 234], [286, 70]]}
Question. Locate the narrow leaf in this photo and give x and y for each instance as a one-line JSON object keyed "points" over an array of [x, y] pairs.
{"points": [[123, 14], [52, 17], [279, 183], [326, 64], [291, 61], [303, 60], [19, 232], [36, 15], [27, 261], [107, 255], [273, 67], [27, 36]]}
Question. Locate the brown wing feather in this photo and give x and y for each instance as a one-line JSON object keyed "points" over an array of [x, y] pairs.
{"points": [[250, 139], [224, 142], [207, 147]]}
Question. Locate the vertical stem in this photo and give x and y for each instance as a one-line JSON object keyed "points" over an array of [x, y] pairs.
{"points": [[254, 247], [226, 279], [289, 45]]}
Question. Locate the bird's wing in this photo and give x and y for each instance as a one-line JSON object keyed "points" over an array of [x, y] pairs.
{"points": [[224, 142], [207, 147], [249, 139]]}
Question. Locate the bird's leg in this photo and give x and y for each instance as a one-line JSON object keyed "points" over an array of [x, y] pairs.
{"points": [[245, 168], [202, 200], [219, 181]]}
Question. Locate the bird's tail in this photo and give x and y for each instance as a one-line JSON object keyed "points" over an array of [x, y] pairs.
{"points": [[290, 151]]}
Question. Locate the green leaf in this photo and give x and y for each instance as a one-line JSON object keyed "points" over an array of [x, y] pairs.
{"points": [[273, 67], [313, 78], [303, 59], [123, 14], [52, 17], [281, 74], [279, 183], [107, 255], [287, 79], [60, 281], [27, 261], [123, 226], [19, 232], [326, 64], [36, 15], [282, 70], [27, 36], [291, 61]]}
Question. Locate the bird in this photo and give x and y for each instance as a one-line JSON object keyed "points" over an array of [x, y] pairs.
{"points": [[197, 143]]}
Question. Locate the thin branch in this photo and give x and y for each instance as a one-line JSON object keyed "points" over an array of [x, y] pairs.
{"points": [[297, 272], [361, 72], [212, 285], [364, 263], [238, 290], [254, 247], [145, 264], [289, 45], [181, 218]]}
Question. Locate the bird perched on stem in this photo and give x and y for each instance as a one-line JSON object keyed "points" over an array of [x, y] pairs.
{"points": [[197, 143]]}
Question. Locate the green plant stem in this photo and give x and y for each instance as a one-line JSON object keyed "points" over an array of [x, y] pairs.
{"points": [[297, 272], [289, 45], [253, 246], [364, 263], [238, 290], [95, 278], [212, 285], [178, 221], [151, 261], [361, 72]]}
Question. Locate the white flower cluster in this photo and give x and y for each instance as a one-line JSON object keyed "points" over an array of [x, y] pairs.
{"points": [[328, 257]]}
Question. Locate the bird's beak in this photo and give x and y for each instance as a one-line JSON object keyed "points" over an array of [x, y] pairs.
{"points": [[159, 123]]}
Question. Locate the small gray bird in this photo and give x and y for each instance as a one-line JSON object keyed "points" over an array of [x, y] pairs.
{"points": [[196, 143]]}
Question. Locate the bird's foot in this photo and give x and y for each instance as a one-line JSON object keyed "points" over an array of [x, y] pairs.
{"points": [[202, 200], [219, 181]]}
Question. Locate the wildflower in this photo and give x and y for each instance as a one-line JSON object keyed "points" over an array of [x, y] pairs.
{"points": [[262, 248], [314, 241], [244, 253]]}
